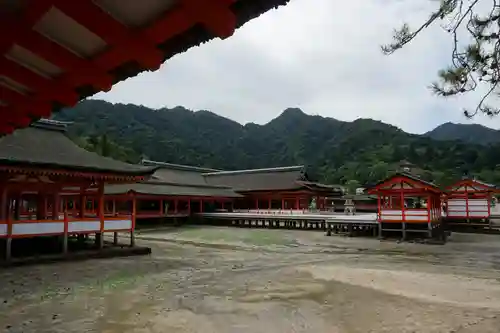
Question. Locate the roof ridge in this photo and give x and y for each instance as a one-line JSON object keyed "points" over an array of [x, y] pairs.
{"points": [[155, 182], [177, 166], [51, 124], [250, 171]]}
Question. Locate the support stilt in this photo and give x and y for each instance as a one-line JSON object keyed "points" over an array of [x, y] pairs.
{"points": [[132, 239], [8, 249], [99, 240], [65, 243]]}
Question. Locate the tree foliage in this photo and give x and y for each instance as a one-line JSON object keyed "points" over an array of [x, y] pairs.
{"points": [[364, 151], [474, 26]]}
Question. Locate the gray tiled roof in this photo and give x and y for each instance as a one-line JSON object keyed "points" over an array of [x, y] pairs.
{"points": [[282, 178], [162, 188], [178, 174], [45, 145], [175, 180]]}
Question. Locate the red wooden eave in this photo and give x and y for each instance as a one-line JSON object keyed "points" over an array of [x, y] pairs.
{"points": [[419, 186], [18, 108], [470, 183]]}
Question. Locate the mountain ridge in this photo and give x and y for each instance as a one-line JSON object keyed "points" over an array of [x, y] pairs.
{"points": [[365, 150]]}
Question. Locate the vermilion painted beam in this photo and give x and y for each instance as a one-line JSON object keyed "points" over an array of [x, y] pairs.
{"points": [[12, 26], [22, 104], [10, 96], [22, 34], [214, 14], [114, 33], [38, 83], [78, 70]]}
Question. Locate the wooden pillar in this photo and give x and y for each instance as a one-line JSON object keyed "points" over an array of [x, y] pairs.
{"points": [[467, 206], [269, 203], [282, 203], [65, 236], [83, 202], [55, 206], [379, 208], [134, 214], [430, 207], [201, 205], [4, 209], [113, 212], [176, 205], [403, 213], [297, 203], [6, 216], [257, 203], [189, 206], [488, 198], [100, 214], [17, 206], [73, 210]]}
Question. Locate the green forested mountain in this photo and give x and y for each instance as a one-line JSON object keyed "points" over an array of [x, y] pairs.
{"points": [[469, 133], [363, 151]]}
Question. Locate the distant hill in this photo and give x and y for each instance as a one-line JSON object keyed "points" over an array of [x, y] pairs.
{"points": [[364, 150], [470, 133]]}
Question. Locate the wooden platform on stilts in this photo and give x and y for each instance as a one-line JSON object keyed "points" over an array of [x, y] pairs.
{"points": [[324, 221]]}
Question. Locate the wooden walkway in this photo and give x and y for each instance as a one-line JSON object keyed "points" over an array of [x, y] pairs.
{"points": [[324, 221]]}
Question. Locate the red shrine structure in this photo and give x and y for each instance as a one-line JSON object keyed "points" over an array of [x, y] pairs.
{"points": [[57, 52], [177, 191], [407, 203], [469, 200], [282, 188], [174, 191], [51, 187]]}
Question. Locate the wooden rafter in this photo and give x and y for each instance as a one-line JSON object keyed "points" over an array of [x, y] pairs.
{"points": [[123, 45]]}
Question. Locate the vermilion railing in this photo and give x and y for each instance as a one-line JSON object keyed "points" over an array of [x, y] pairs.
{"points": [[68, 225]]}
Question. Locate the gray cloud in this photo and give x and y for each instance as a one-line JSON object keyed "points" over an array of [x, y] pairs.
{"points": [[320, 55]]}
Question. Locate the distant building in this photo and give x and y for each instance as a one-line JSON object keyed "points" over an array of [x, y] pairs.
{"points": [[360, 190]]}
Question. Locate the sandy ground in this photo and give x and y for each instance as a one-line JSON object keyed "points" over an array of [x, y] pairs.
{"points": [[247, 280]]}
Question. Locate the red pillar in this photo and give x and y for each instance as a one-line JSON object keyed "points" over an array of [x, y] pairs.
{"points": [[257, 203], [56, 206], [100, 196], [488, 197], [297, 203], [83, 203], [189, 206], [269, 203], [134, 211], [282, 204], [466, 205], [402, 197], [379, 208], [201, 205], [429, 205], [176, 203]]}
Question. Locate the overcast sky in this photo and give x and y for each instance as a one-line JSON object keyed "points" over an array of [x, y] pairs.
{"points": [[320, 55]]}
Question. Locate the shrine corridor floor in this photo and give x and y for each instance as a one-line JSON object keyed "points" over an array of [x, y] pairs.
{"points": [[211, 279]]}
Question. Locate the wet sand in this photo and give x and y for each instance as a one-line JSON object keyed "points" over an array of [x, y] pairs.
{"points": [[248, 280]]}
